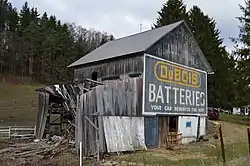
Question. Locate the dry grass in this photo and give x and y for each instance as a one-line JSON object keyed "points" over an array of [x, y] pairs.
{"points": [[200, 153], [22, 113], [233, 132]]}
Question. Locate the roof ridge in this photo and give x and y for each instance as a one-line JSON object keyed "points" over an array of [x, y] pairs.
{"points": [[148, 30]]}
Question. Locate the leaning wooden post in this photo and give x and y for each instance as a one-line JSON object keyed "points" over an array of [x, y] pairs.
{"points": [[248, 134], [222, 146]]}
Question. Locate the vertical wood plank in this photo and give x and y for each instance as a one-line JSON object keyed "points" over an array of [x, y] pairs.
{"points": [[140, 93], [91, 130], [128, 100], [113, 91], [99, 98], [123, 96], [115, 99], [95, 134], [85, 124], [106, 100], [110, 100], [134, 96], [77, 125], [120, 102]]}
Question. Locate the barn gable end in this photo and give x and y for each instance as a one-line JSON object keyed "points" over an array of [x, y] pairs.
{"points": [[181, 47]]}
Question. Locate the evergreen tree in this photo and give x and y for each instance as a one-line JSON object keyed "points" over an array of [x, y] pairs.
{"points": [[106, 38], [25, 16], [172, 11], [220, 93], [243, 55], [8, 26], [3, 14]]}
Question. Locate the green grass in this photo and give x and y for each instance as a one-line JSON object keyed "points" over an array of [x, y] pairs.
{"points": [[196, 154], [235, 118], [18, 104]]}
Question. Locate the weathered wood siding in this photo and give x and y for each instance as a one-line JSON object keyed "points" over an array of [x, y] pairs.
{"points": [[120, 99], [179, 46], [115, 67]]}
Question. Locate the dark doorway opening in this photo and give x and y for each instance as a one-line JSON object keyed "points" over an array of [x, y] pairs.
{"points": [[173, 123], [94, 76]]}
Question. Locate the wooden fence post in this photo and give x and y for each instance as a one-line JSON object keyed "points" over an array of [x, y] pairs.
{"points": [[222, 146], [248, 134], [9, 132], [81, 153]]}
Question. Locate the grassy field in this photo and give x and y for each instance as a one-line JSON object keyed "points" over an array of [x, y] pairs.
{"points": [[245, 120], [18, 104]]}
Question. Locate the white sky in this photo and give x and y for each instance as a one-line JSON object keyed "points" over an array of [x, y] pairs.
{"points": [[122, 18]]}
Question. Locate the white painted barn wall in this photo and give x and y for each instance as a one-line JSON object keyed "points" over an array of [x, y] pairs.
{"points": [[124, 133], [189, 134]]}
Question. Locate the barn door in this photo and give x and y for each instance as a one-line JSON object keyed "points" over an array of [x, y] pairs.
{"points": [[163, 124], [168, 131]]}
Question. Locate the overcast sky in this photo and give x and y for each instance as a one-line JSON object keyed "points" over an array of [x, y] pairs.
{"points": [[123, 17]]}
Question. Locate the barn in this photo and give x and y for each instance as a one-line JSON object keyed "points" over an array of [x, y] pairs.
{"points": [[168, 74], [123, 58]]}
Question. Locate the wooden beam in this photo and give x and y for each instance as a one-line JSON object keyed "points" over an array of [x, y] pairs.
{"points": [[91, 123], [94, 81]]}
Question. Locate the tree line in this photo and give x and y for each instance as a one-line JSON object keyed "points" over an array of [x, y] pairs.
{"points": [[41, 47]]}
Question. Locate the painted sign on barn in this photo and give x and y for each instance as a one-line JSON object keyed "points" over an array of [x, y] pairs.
{"points": [[171, 88]]}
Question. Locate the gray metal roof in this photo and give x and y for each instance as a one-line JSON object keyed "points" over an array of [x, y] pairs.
{"points": [[126, 45]]}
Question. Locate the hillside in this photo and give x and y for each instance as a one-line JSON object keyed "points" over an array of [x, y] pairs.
{"points": [[18, 101]]}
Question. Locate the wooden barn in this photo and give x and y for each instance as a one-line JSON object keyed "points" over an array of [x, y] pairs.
{"points": [[139, 66]]}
